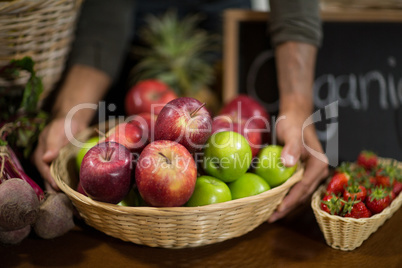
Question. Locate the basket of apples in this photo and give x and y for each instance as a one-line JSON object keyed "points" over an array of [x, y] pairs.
{"points": [[357, 199], [176, 179]]}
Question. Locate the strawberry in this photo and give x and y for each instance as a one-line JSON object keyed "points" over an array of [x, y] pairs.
{"points": [[382, 180], [338, 183], [367, 159], [355, 192], [359, 173], [356, 209], [397, 187], [331, 204], [378, 199], [372, 181], [343, 168], [395, 174], [392, 195]]}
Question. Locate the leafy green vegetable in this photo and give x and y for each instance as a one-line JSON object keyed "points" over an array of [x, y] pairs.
{"points": [[21, 120]]}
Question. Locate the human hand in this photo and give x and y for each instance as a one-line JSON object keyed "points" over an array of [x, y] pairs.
{"points": [[289, 132], [51, 140]]}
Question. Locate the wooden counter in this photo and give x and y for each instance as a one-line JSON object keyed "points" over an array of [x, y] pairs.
{"points": [[295, 241]]}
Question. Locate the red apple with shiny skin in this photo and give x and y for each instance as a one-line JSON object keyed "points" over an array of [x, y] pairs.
{"points": [[148, 96], [248, 108], [105, 173], [243, 126], [129, 134], [146, 121], [186, 121], [165, 174], [80, 189]]}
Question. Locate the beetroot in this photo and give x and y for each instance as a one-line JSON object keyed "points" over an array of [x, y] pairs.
{"points": [[14, 237], [19, 205], [12, 168], [55, 216]]}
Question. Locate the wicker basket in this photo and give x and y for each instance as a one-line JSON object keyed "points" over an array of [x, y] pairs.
{"points": [[175, 227], [41, 29], [360, 4], [349, 233]]}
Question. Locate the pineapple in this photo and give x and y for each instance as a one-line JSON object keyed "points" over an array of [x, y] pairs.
{"points": [[179, 54]]}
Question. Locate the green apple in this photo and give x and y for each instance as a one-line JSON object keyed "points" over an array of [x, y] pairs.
{"points": [[227, 155], [91, 142], [131, 199], [269, 166], [247, 185], [209, 190]]}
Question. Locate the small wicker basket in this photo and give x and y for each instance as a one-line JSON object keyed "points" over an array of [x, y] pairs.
{"points": [[175, 227], [41, 29], [349, 233]]}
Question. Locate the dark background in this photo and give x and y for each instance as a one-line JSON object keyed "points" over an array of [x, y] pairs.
{"points": [[352, 50]]}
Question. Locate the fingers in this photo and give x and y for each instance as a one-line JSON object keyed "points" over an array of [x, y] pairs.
{"points": [[50, 154], [290, 135], [49, 188], [288, 203], [291, 152], [52, 141], [315, 171], [43, 166], [49, 144]]}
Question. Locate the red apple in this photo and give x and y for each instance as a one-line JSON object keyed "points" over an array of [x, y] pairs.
{"points": [[147, 122], [80, 189], [165, 174], [148, 96], [248, 108], [243, 126], [105, 173], [186, 121], [129, 134]]}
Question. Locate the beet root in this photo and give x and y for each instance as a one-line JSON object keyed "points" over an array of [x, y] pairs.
{"points": [[19, 205], [55, 216], [14, 237]]}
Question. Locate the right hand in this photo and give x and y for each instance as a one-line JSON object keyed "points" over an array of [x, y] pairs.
{"points": [[51, 140], [289, 133]]}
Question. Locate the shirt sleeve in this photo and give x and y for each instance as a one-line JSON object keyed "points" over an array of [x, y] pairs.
{"points": [[103, 34], [295, 20]]}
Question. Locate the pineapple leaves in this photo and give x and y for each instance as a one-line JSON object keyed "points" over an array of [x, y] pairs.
{"points": [[176, 52]]}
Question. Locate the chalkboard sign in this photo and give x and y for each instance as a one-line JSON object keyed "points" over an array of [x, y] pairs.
{"points": [[358, 82]]}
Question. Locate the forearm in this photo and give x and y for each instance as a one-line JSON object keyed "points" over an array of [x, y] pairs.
{"points": [[295, 63], [295, 27], [83, 84]]}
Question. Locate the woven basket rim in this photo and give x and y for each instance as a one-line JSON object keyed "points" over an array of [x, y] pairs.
{"points": [[296, 177], [19, 3], [318, 194]]}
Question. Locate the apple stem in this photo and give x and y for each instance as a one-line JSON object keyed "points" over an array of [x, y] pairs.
{"points": [[109, 152], [100, 133], [196, 110], [167, 159]]}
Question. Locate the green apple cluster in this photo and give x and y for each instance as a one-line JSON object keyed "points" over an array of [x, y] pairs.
{"points": [[227, 161]]}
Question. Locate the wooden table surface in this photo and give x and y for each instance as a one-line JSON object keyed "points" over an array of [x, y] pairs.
{"points": [[295, 241]]}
